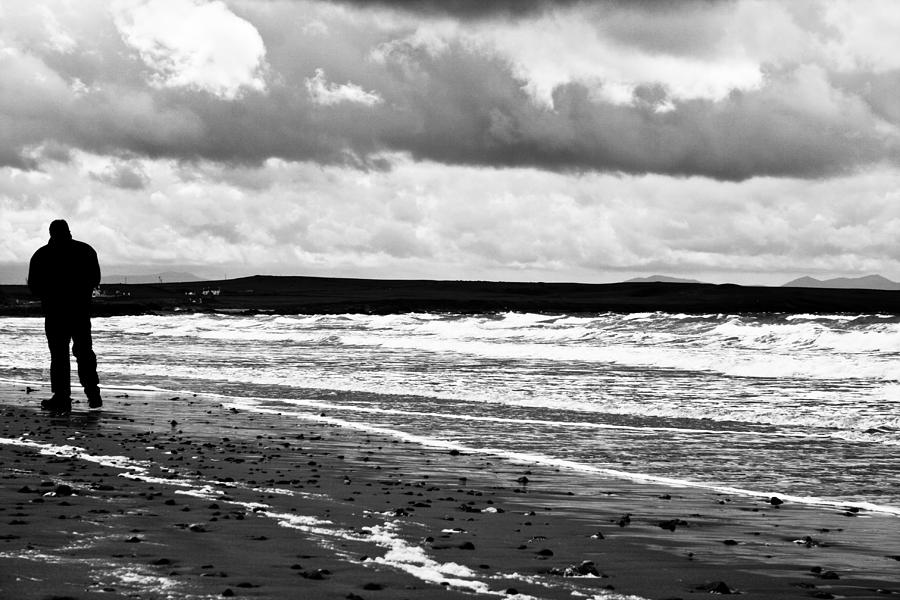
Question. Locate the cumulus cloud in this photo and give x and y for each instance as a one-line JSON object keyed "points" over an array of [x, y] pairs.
{"points": [[580, 141], [325, 93], [187, 43], [429, 220], [605, 87]]}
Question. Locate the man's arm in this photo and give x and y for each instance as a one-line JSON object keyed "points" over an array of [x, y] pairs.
{"points": [[35, 275], [94, 270]]}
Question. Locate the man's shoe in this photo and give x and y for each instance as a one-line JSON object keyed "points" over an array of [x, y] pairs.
{"points": [[94, 399], [57, 404]]}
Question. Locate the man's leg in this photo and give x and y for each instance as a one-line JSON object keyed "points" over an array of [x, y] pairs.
{"points": [[82, 348], [58, 337]]}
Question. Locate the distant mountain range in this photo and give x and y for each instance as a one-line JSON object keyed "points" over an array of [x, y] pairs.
{"points": [[868, 282], [164, 277], [661, 279]]}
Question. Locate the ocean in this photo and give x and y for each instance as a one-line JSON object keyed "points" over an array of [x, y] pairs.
{"points": [[804, 407]]}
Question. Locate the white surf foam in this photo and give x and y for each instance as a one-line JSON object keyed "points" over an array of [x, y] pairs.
{"points": [[530, 458]]}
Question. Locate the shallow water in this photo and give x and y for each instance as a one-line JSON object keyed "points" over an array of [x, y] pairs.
{"points": [[796, 405]]}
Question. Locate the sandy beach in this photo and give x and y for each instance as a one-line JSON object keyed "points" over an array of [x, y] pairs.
{"points": [[160, 496]]}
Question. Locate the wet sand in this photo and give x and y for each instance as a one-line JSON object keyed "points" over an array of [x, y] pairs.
{"points": [[160, 496]]}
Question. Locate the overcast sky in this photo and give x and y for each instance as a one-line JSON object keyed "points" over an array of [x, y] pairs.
{"points": [[738, 141]]}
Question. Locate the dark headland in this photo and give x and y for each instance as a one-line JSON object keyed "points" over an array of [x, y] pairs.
{"points": [[320, 295]]}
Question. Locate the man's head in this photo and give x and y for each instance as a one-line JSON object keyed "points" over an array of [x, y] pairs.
{"points": [[59, 231]]}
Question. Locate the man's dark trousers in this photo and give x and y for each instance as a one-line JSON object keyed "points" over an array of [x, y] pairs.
{"points": [[62, 328]]}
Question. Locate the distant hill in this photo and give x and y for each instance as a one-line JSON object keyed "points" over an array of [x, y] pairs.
{"points": [[868, 282], [164, 277], [661, 279]]}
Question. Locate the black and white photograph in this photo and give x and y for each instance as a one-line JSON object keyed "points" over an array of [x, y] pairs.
{"points": [[449, 299]]}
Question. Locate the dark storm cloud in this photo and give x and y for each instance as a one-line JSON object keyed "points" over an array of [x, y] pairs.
{"points": [[471, 111], [458, 105], [477, 9], [466, 9]]}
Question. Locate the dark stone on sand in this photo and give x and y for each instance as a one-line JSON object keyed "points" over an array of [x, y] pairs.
{"points": [[228, 593], [545, 552], [455, 452], [585, 569], [318, 574], [715, 587], [246, 585], [823, 595], [808, 541], [161, 561], [730, 542], [63, 490], [624, 520], [776, 501], [511, 591], [467, 546], [672, 524], [829, 575], [523, 480], [372, 586], [894, 557], [597, 536]]}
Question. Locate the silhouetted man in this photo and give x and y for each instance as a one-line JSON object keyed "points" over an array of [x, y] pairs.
{"points": [[64, 274]]}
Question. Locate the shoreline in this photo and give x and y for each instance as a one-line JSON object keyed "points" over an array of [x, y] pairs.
{"points": [[318, 295], [430, 522]]}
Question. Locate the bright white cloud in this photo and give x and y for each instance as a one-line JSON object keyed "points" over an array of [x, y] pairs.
{"points": [[193, 43], [430, 220], [327, 94], [861, 35], [562, 48]]}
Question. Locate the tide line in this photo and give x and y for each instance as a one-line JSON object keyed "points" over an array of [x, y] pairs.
{"points": [[529, 458]]}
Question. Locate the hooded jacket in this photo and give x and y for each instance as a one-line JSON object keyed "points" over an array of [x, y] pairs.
{"points": [[63, 274]]}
